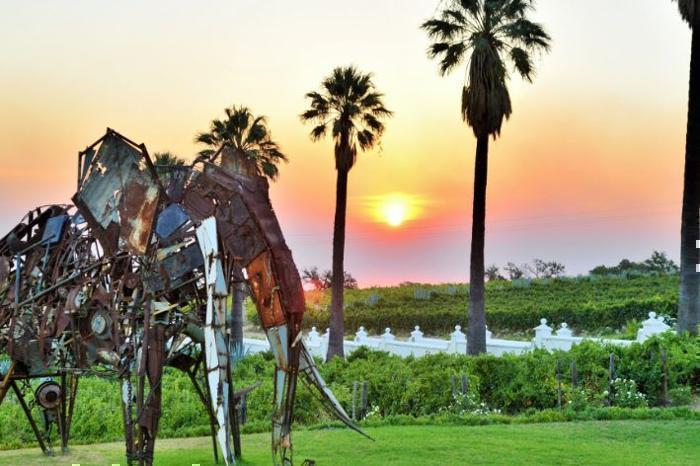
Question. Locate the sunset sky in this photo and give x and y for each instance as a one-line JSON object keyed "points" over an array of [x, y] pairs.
{"points": [[588, 169]]}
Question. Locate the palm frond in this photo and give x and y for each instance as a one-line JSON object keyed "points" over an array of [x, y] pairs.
{"points": [[244, 131], [531, 35], [442, 29], [522, 62], [687, 10], [350, 109], [486, 35], [318, 132]]}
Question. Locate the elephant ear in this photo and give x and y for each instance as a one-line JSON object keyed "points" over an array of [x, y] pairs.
{"points": [[687, 9]]}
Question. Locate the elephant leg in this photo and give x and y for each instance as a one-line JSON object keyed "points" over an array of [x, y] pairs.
{"points": [[286, 364], [216, 351]]}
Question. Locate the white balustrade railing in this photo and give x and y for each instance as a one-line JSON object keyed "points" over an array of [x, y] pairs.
{"points": [[419, 345]]}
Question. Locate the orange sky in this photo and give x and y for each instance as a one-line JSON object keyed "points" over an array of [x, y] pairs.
{"points": [[588, 169]]}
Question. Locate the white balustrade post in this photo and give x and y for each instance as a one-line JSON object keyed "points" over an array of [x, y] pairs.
{"points": [[416, 335], [361, 335], [652, 326], [458, 341], [387, 338], [564, 331], [542, 332]]}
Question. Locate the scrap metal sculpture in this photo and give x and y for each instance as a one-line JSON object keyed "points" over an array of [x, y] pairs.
{"points": [[135, 276]]}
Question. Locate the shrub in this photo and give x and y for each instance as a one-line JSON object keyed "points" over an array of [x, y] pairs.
{"points": [[680, 396], [625, 394], [403, 390]]}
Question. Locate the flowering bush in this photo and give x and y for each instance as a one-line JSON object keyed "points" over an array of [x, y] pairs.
{"points": [[468, 403], [373, 413], [580, 398], [625, 394]]}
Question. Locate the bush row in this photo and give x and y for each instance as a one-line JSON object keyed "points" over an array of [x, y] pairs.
{"points": [[585, 303], [397, 387]]}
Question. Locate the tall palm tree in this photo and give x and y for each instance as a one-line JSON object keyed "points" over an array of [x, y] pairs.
{"points": [[249, 135], [689, 302], [349, 105], [250, 138], [488, 35]]}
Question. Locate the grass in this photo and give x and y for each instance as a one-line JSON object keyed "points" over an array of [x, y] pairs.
{"points": [[605, 442]]}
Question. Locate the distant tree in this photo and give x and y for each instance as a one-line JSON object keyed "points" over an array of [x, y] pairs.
{"points": [[491, 37], [689, 299], [515, 272], [657, 264], [313, 277], [538, 268], [350, 108], [660, 264], [544, 269], [493, 273], [324, 281]]}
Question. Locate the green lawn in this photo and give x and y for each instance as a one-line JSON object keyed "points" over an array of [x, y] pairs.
{"points": [[614, 442]]}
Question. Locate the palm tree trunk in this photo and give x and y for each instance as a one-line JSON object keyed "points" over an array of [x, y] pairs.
{"points": [[689, 303], [337, 328], [476, 339]]}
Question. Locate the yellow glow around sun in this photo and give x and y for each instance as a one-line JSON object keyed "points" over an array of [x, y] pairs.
{"points": [[394, 209]]}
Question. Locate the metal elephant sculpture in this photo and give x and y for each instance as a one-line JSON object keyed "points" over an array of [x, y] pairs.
{"points": [[136, 276]]}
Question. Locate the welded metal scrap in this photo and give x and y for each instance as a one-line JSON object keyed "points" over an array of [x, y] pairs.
{"points": [[135, 277]]}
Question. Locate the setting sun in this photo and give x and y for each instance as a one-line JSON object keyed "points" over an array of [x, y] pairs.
{"points": [[394, 209], [394, 212]]}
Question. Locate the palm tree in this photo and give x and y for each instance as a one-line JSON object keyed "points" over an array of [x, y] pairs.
{"points": [[349, 105], [689, 302], [169, 167], [487, 35], [248, 135], [251, 141], [163, 161]]}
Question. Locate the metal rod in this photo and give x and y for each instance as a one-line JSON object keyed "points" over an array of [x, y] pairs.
{"points": [[205, 400], [28, 413], [128, 427], [141, 374], [62, 413]]}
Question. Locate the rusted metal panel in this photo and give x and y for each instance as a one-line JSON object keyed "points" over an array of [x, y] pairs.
{"points": [[119, 197], [170, 220], [170, 271], [264, 288]]}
